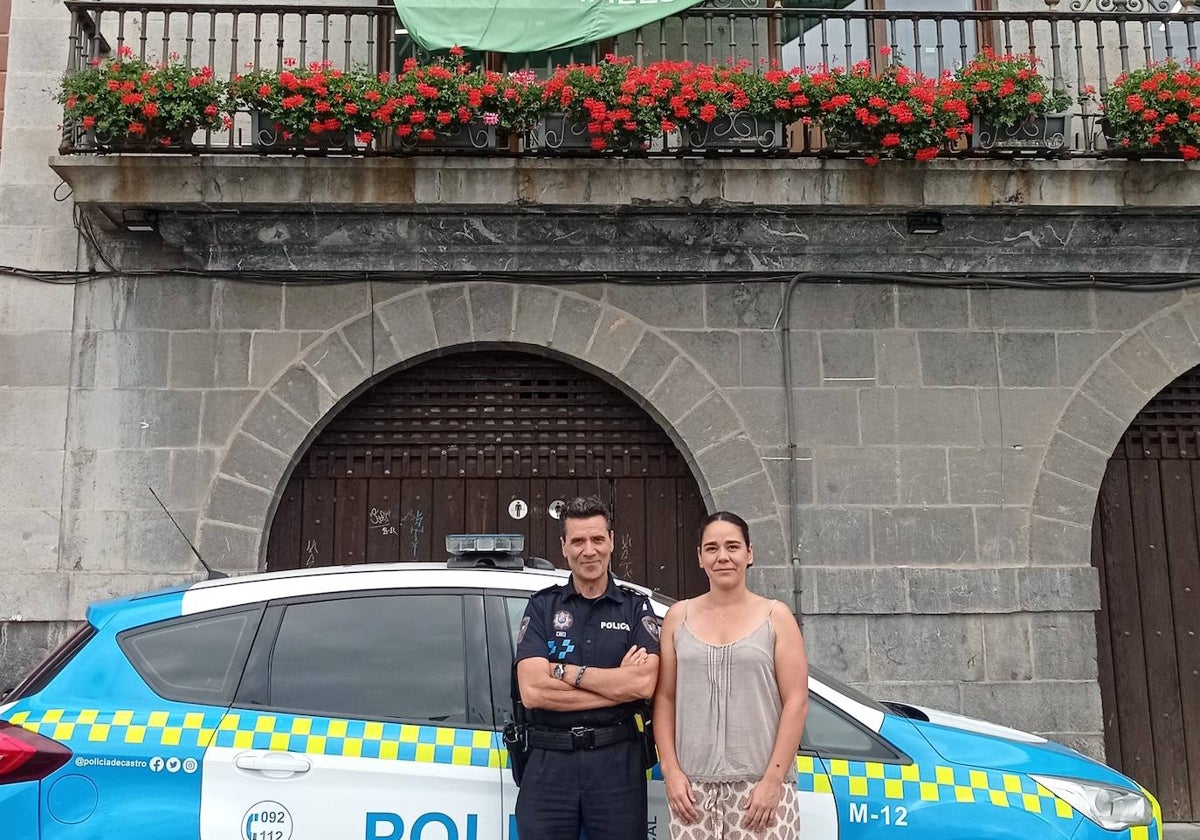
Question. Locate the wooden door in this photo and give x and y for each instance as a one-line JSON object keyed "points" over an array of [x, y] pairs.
{"points": [[486, 443], [1146, 546]]}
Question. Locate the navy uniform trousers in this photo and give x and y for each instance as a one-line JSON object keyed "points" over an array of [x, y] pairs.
{"points": [[603, 790]]}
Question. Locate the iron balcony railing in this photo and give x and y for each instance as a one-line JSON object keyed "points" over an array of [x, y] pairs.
{"points": [[1082, 49]]}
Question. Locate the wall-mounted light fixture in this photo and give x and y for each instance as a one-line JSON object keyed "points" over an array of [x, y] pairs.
{"points": [[924, 221], [139, 220]]}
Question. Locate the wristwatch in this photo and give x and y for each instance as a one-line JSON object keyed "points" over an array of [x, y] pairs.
{"points": [[558, 670]]}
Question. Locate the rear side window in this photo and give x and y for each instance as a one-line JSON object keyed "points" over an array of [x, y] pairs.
{"points": [[384, 656], [198, 659], [831, 735], [41, 676]]}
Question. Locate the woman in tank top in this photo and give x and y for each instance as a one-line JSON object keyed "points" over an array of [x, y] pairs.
{"points": [[731, 701]]}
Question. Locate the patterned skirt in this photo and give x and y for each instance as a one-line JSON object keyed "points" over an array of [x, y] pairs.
{"points": [[721, 814]]}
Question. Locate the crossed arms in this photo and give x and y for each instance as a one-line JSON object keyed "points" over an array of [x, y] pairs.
{"points": [[634, 679]]}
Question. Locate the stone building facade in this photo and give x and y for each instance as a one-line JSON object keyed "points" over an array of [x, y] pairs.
{"points": [[950, 430]]}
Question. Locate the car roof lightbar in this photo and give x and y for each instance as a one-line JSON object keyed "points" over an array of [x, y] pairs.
{"points": [[496, 551]]}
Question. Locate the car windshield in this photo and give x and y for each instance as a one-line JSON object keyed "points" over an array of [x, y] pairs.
{"points": [[840, 687]]}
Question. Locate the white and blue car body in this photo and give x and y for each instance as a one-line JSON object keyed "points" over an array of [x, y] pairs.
{"points": [[367, 702]]}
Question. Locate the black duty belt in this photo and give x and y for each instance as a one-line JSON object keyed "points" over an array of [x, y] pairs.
{"points": [[581, 737]]}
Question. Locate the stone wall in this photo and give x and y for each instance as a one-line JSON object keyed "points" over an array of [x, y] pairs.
{"points": [[950, 443]]}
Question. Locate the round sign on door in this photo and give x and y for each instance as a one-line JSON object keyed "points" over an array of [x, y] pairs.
{"points": [[518, 509], [555, 508]]}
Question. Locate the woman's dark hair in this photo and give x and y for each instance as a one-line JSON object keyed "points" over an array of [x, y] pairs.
{"points": [[724, 516]]}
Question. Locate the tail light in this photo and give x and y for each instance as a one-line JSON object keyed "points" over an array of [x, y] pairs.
{"points": [[26, 756]]}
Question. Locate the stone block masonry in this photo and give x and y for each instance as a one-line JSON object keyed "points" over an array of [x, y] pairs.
{"points": [[948, 442]]}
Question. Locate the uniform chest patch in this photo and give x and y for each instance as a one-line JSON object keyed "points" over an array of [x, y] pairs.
{"points": [[563, 620], [614, 625]]}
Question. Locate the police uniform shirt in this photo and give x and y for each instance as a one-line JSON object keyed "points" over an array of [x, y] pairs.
{"points": [[562, 626]]}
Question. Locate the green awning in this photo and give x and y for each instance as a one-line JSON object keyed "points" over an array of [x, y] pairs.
{"points": [[517, 26]]}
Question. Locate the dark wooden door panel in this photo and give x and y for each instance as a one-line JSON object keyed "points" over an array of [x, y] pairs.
{"points": [[319, 500], [1104, 651], [383, 520], [286, 536], [1185, 590], [508, 491], [1166, 714], [540, 542], [1122, 605], [449, 511], [692, 513], [416, 506], [1183, 570], [662, 536], [351, 522], [629, 528]]}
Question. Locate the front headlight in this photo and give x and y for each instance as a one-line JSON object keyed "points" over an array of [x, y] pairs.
{"points": [[1110, 807]]}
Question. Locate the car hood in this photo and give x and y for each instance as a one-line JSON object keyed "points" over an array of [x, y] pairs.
{"points": [[977, 743]]}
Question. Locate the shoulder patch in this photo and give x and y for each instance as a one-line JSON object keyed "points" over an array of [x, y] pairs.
{"points": [[653, 626], [524, 627]]}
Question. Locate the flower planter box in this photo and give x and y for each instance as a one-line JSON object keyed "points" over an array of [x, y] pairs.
{"points": [[853, 141], [562, 133], [127, 143], [738, 132], [266, 134], [1037, 135], [474, 136], [1113, 147]]}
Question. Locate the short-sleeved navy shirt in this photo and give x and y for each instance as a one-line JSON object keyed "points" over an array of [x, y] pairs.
{"points": [[562, 626]]}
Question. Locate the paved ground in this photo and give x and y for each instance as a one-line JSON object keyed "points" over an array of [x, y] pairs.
{"points": [[1181, 831]]}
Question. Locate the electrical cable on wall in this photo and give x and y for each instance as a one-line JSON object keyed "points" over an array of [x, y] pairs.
{"points": [[1130, 282]]}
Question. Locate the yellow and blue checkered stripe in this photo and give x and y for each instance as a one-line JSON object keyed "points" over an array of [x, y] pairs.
{"points": [[262, 731], [945, 783], [810, 775], [94, 726], [361, 739], [484, 748]]}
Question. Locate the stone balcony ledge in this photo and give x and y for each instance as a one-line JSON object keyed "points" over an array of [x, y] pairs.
{"points": [[434, 216], [216, 182]]}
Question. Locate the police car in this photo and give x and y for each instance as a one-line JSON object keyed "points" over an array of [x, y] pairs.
{"points": [[367, 702]]}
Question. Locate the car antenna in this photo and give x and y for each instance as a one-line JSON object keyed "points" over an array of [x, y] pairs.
{"points": [[213, 574]]}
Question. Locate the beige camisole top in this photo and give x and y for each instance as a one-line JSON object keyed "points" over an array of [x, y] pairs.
{"points": [[727, 706]]}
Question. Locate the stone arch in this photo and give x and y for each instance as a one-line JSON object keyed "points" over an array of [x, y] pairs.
{"points": [[605, 340], [1112, 392]]}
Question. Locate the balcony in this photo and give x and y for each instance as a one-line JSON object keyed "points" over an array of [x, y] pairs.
{"points": [[229, 204], [1081, 50]]}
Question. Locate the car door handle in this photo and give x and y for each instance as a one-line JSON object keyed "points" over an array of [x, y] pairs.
{"points": [[274, 765]]}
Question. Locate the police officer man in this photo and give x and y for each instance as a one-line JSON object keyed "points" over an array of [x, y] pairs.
{"points": [[587, 655]]}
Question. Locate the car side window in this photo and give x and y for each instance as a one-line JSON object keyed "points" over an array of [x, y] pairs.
{"points": [[515, 609], [197, 659], [829, 734], [375, 657]]}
